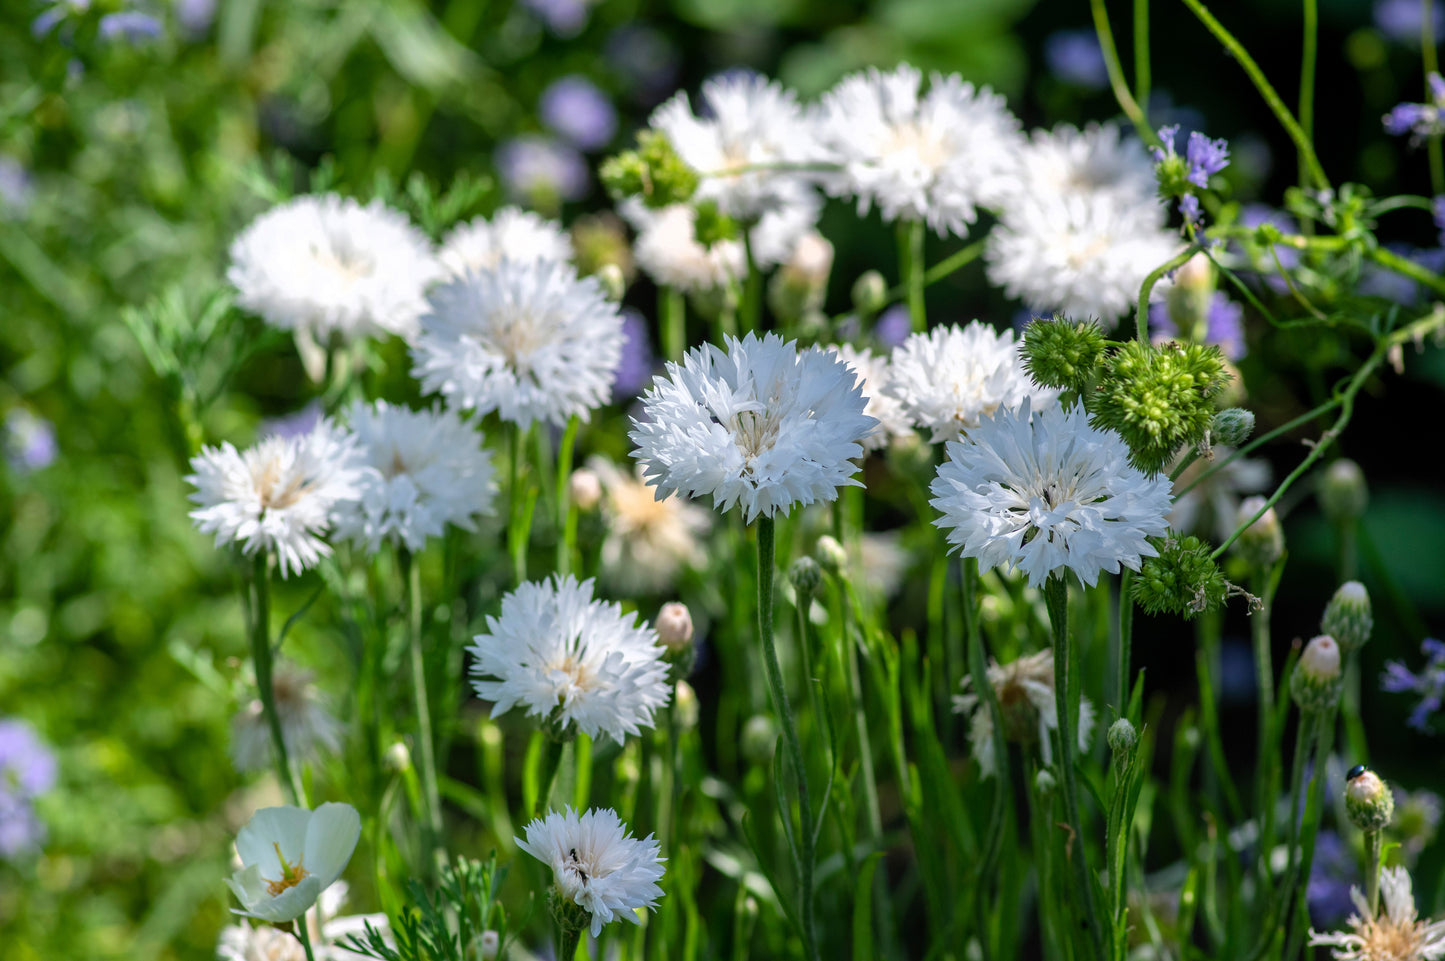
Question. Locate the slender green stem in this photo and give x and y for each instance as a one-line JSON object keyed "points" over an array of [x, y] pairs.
{"points": [[552, 749], [1141, 313], [911, 271], [1403, 265], [516, 532], [1265, 753], [1124, 638], [1141, 52], [672, 306], [1256, 76], [1115, 70], [1056, 596], [303, 934], [790, 730], [431, 815], [566, 516], [1374, 843], [1309, 53], [265, 680], [751, 308]]}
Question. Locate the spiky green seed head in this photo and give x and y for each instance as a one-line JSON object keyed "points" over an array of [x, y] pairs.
{"points": [[1062, 353], [653, 172], [1232, 427], [1369, 802], [1182, 580], [1348, 617], [1317, 681], [1343, 493], [1159, 398]]}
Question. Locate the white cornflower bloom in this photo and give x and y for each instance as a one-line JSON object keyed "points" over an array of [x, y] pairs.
{"points": [[428, 469], [1095, 160], [569, 658], [512, 233], [950, 377], [530, 340], [668, 251], [324, 265], [763, 425], [597, 864], [1024, 690], [307, 726], [749, 122], [289, 855], [280, 495], [1396, 934], [1041, 492], [243, 942], [935, 157], [649, 541], [874, 375]]}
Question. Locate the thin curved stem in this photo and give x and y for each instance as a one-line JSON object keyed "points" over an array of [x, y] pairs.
{"points": [[1308, 56], [1141, 312], [1115, 70], [262, 657], [431, 814]]}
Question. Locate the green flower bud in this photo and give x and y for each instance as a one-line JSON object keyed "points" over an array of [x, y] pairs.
{"points": [[831, 556], [1343, 493], [1317, 681], [1262, 543], [1159, 398], [805, 575], [398, 758], [685, 708], [1232, 427], [1189, 298], [653, 172], [1348, 617], [1182, 580], [1062, 353], [614, 283], [870, 291], [712, 226], [759, 739], [1122, 740], [1368, 801], [1044, 782]]}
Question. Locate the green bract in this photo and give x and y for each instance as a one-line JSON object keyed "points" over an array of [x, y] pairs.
{"points": [[1059, 352], [1182, 580], [1159, 398]]}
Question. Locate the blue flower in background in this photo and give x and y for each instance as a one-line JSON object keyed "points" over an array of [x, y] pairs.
{"points": [[15, 187], [132, 26], [1419, 119], [635, 371], [1224, 324], [1400, 20], [1331, 874], [29, 441], [565, 18], [1429, 683], [646, 59], [27, 770], [536, 168], [1074, 57], [577, 111], [893, 326]]}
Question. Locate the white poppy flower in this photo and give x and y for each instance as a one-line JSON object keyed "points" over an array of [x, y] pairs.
{"points": [[289, 855]]}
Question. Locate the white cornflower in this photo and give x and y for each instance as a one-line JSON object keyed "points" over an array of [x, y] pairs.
{"points": [[280, 495], [597, 864], [1396, 934], [1041, 492], [874, 375], [428, 469], [935, 157], [749, 122], [324, 265], [512, 233], [243, 942], [950, 377], [1024, 689], [530, 340], [668, 251], [1096, 160], [763, 425], [649, 541], [307, 726], [289, 855], [570, 659]]}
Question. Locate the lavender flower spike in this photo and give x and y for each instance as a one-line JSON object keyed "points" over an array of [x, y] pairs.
{"points": [[1206, 158], [1429, 683], [1419, 119]]}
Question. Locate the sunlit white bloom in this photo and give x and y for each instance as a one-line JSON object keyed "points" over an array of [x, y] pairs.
{"points": [[934, 157], [1096, 160], [1212, 506], [570, 659], [280, 495], [1042, 492], [649, 541], [875, 374], [1024, 689], [1396, 934], [323, 265], [243, 942], [513, 233], [530, 340], [949, 378], [307, 726], [748, 124], [668, 251], [597, 864], [763, 425], [289, 855], [426, 469]]}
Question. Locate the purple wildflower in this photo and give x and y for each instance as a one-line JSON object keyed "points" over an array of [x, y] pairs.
{"points": [[15, 187], [1400, 20], [565, 18], [1167, 133], [579, 112], [195, 16], [1074, 57], [1206, 158], [893, 326], [1429, 683], [1189, 208], [1331, 874], [27, 770], [131, 26], [29, 441], [1419, 119], [1223, 322], [1437, 209], [295, 424], [536, 168], [635, 371]]}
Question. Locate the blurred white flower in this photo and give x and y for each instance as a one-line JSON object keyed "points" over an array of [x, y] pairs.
{"points": [[516, 234], [1041, 492], [570, 659], [1024, 689], [243, 942], [1096, 160], [668, 251], [1395, 934], [874, 375], [1210, 508], [649, 541], [949, 378], [881, 564], [427, 469], [597, 864], [307, 727], [934, 157], [280, 495], [763, 425], [530, 340], [289, 855], [324, 265]]}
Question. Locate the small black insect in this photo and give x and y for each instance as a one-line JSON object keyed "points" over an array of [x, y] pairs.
{"points": [[1355, 772]]}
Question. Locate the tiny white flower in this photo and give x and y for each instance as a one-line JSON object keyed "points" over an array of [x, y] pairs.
{"points": [[289, 855], [427, 469], [307, 727], [1396, 934], [530, 340], [280, 495], [1044, 492], [555, 649], [512, 233], [950, 377], [875, 375], [597, 864], [649, 541], [763, 425], [1024, 690], [324, 265]]}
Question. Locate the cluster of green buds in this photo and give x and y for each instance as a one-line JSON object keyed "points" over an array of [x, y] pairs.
{"points": [[1183, 579], [653, 172], [1317, 679]]}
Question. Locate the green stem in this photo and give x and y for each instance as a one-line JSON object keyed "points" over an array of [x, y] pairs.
{"points": [[751, 308], [265, 681], [427, 768], [566, 516], [1115, 70], [303, 934], [672, 306], [552, 749], [1056, 596], [910, 270], [1374, 843], [1124, 637], [790, 730], [1141, 313], [516, 532], [1141, 52], [1264, 673], [1307, 81]]}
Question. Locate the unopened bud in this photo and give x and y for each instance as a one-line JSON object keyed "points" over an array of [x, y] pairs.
{"points": [[1343, 493], [674, 626], [759, 739], [585, 488], [1348, 618], [685, 706], [1262, 543], [805, 575], [613, 281], [1315, 685], [488, 944], [870, 291], [1232, 427], [1368, 800], [831, 556], [1044, 782], [1122, 737], [398, 758]]}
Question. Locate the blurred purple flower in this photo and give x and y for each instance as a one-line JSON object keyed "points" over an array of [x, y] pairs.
{"points": [[536, 168], [646, 59], [1331, 874], [29, 441], [1206, 158], [893, 326], [1397, 288], [565, 18], [635, 371], [21, 831], [1224, 324], [15, 187], [131, 26], [575, 109], [1400, 20], [1437, 209], [1429, 683], [27, 767], [294, 424], [195, 16], [1074, 57], [1419, 119]]}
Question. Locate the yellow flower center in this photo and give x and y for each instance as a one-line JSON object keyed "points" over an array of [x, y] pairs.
{"points": [[291, 875]]}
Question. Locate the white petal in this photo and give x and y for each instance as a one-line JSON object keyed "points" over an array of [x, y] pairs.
{"points": [[289, 905], [330, 840], [268, 827]]}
